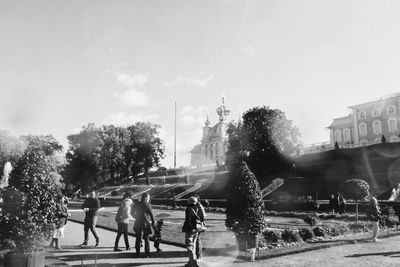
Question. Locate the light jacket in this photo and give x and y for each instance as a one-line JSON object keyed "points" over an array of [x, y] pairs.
{"points": [[124, 211]]}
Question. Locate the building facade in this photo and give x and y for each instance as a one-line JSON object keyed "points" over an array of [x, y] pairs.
{"points": [[213, 144], [368, 123]]}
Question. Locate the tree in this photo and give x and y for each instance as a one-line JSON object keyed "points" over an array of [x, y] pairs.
{"points": [[83, 156], [356, 189], [244, 206], [28, 213], [146, 148], [264, 139]]}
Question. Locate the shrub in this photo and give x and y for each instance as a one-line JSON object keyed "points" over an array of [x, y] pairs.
{"points": [[310, 220], [356, 189], [319, 231], [291, 235], [29, 212], [306, 234], [336, 230], [272, 236], [114, 193], [244, 206]]}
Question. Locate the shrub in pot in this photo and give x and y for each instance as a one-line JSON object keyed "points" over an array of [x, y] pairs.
{"points": [[244, 214], [29, 213]]}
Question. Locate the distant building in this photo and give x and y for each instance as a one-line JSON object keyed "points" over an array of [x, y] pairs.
{"points": [[367, 123], [213, 145]]}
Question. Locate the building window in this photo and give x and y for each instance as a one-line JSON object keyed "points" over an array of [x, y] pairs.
{"points": [[363, 129], [377, 127], [346, 134], [392, 125], [391, 110], [338, 135], [375, 112], [361, 115]]}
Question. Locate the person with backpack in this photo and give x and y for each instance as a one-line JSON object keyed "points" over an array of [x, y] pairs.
{"points": [[191, 228], [144, 222], [122, 219], [373, 214]]}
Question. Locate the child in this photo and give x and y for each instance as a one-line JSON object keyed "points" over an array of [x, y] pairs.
{"points": [[157, 235]]}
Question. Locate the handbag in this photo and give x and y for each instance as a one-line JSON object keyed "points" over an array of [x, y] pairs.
{"points": [[198, 226]]}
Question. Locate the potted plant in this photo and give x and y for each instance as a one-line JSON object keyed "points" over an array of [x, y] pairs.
{"points": [[28, 213], [244, 208]]}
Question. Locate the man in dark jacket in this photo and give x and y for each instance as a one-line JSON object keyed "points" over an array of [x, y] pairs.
{"points": [[91, 206], [191, 233], [144, 222]]}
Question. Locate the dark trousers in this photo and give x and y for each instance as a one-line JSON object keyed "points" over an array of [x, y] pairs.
{"points": [[90, 224], [122, 230], [140, 233], [199, 247]]}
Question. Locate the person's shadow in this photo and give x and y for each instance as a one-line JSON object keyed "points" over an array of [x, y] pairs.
{"points": [[387, 254]]}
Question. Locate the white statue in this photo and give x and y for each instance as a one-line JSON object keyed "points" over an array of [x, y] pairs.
{"points": [[6, 174]]}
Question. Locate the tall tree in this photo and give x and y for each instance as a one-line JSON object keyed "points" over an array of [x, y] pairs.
{"points": [[146, 147], [83, 157], [265, 139]]}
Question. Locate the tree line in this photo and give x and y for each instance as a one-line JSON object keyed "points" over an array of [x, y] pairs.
{"points": [[107, 155]]}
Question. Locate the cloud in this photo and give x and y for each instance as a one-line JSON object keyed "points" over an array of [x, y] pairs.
{"points": [[122, 118], [136, 80], [132, 98], [193, 116], [196, 81], [249, 50]]}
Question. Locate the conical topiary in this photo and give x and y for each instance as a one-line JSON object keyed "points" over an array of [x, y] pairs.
{"points": [[244, 207]]}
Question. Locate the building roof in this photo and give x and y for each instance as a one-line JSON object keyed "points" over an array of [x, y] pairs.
{"points": [[348, 120], [384, 98]]}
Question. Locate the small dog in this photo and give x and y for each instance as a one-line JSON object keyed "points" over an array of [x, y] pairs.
{"points": [[157, 235]]}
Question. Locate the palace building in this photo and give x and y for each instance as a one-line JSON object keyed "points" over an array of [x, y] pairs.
{"points": [[213, 145], [368, 123]]}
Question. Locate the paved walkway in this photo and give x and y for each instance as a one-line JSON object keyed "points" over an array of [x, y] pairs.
{"points": [[104, 255], [361, 254]]}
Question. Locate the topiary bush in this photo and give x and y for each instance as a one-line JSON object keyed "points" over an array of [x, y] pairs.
{"points": [[319, 231], [291, 235], [310, 220], [306, 234], [356, 189], [244, 206], [272, 236]]}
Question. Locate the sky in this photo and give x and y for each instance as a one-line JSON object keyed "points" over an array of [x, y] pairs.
{"points": [[64, 64]]}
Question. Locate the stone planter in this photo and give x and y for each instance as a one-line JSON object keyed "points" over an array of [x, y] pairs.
{"points": [[17, 259], [245, 241]]}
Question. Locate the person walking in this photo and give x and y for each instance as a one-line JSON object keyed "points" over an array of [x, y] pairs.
{"points": [[202, 215], [62, 218], [91, 207], [342, 204], [190, 230], [122, 219], [373, 213], [144, 222]]}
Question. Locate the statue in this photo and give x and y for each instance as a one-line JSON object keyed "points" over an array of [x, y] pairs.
{"points": [[6, 174]]}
